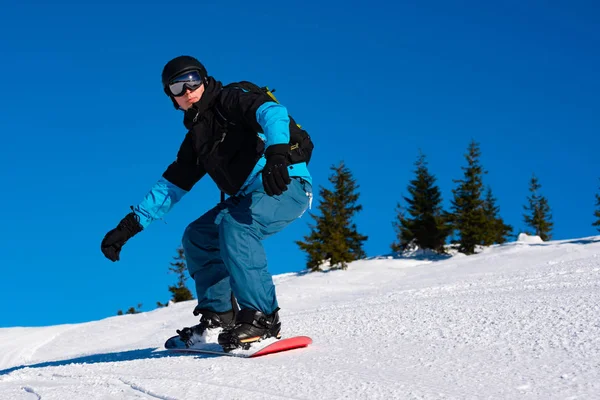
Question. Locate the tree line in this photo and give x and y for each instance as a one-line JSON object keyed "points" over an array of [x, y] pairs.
{"points": [[421, 222]]}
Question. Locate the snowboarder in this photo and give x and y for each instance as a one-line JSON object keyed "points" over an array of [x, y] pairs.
{"points": [[241, 139]]}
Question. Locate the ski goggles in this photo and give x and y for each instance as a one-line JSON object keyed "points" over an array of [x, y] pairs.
{"points": [[190, 80]]}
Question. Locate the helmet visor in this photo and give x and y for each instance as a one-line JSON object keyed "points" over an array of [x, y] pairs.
{"points": [[189, 80]]}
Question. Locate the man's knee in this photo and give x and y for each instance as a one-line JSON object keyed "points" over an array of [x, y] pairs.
{"points": [[186, 239], [198, 233]]}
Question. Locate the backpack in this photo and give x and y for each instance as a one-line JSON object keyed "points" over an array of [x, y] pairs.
{"points": [[301, 145]]}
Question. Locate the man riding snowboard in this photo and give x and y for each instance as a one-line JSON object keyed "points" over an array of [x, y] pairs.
{"points": [[255, 153]]}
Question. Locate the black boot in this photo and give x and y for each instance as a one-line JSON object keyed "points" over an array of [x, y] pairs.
{"points": [[209, 320], [250, 326]]}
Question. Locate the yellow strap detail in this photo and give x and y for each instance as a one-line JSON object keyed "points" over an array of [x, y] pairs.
{"points": [[271, 95]]}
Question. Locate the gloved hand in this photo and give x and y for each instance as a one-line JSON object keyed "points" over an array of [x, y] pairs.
{"points": [[275, 174], [116, 238]]}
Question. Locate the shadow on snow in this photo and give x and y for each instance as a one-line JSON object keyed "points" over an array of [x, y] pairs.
{"points": [[131, 355]]}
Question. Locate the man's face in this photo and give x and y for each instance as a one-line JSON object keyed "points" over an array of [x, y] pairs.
{"points": [[188, 98]]}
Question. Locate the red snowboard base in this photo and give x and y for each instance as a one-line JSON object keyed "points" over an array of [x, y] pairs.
{"points": [[268, 346]]}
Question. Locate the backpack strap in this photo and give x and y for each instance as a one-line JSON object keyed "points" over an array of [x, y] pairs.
{"points": [[301, 145]]}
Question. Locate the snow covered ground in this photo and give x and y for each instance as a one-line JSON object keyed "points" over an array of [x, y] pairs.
{"points": [[521, 320]]}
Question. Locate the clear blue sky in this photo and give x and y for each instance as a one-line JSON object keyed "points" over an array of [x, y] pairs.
{"points": [[86, 129]]}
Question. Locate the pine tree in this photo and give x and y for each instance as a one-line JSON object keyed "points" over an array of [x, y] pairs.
{"points": [[496, 230], [180, 291], [131, 310], [468, 217], [539, 217], [597, 212], [335, 239], [427, 227]]}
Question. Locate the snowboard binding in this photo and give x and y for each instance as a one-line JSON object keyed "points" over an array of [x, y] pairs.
{"points": [[250, 327], [209, 320]]}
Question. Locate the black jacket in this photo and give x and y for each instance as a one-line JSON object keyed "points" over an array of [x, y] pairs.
{"points": [[225, 149]]}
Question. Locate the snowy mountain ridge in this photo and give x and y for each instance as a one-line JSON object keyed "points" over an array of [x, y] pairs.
{"points": [[519, 320]]}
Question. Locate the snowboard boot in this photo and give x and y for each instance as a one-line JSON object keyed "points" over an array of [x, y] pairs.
{"points": [[210, 320], [250, 326]]}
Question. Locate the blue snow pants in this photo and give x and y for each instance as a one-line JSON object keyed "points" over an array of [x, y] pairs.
{"points": [[224, 252]]}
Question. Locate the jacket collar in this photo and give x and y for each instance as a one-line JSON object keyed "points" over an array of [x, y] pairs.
{"points": [[211, 90]]}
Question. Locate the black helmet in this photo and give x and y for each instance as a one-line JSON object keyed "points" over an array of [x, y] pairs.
{"points": [[178, 66]]}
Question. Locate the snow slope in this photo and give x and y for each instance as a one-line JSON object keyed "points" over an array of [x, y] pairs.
{"points": [[521, 320]]}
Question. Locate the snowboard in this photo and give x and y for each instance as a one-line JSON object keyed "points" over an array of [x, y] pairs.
{"points": [[258, 349]]}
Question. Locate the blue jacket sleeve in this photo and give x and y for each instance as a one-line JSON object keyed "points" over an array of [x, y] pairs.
{"points": [[158, 202], [275, 122]]}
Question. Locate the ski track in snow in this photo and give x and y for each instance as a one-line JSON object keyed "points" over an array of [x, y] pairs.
{"points": [[145, 391], [516, 321], [32, 391]]}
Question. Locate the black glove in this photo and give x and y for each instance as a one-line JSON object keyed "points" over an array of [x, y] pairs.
{"points": [[116, 238], [275, 174]]}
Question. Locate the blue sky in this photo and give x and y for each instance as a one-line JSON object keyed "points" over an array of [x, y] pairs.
{"points": [[86, 129]]}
